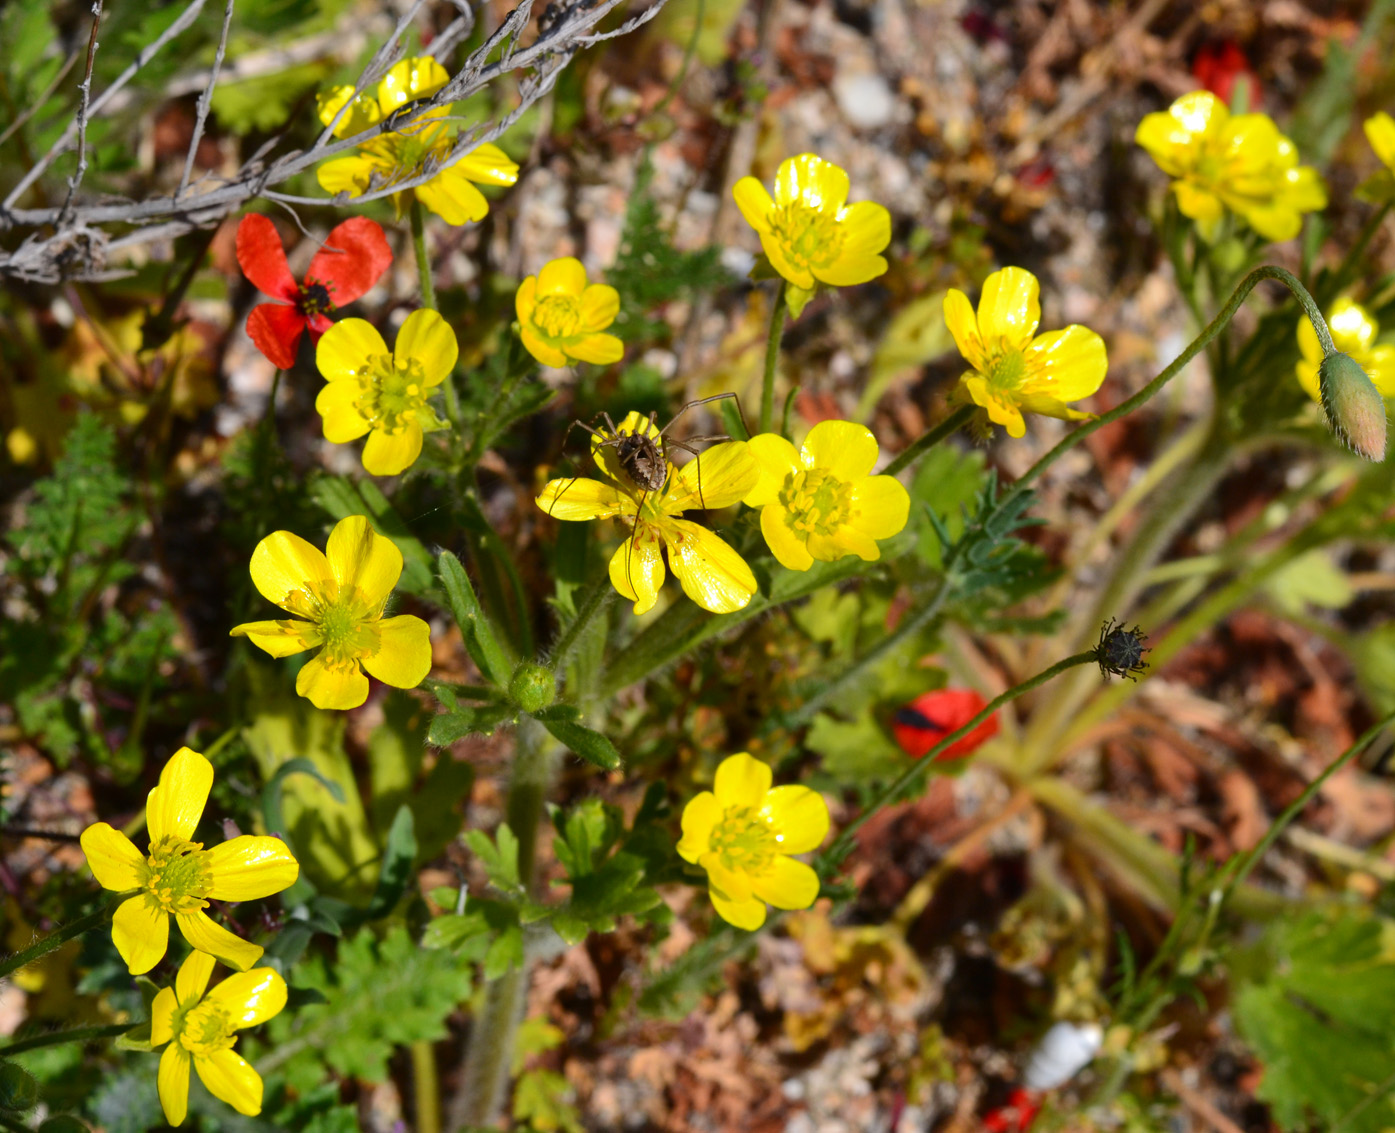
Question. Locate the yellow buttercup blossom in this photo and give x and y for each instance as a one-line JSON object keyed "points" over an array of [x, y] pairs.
{"points": [[1014, 372], [201, 1030], [1380, 132], [562, 317], [384, 393], [808, 231], [398, 155], [1354, 332], [177, 877], [742, 833], [821, 501], [711, 573], [341, 594], [1239, 162]]}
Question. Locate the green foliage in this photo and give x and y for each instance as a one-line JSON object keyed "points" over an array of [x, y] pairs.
{"points": [[1314, 1000], [377, 994]]}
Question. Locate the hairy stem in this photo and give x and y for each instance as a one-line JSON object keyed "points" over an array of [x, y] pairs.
{"points": [[72, 1035], [426, 1088], [59, 937], [929, 439], [772, 358], [597, 597]]}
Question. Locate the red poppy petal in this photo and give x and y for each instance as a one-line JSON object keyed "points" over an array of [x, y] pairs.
{"points": [[362, 256], [933, 715], [318, 324], [276, 330], [263, 259]]}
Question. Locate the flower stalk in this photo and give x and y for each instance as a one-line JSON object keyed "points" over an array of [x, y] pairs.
{"points": [[772, 359], [60, 936]]}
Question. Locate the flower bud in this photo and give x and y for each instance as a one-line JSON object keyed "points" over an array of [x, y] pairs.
{"points": [[533, 687], [1353, 405]]}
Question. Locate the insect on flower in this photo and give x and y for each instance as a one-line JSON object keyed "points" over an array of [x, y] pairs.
{"points": [[642, 488]]}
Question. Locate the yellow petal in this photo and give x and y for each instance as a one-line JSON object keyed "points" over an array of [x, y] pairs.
{"points": [[173, 1083], [230, 1078], [404, 652], [362, 559], [1308, 378], [1352, 328], [599, 306], [845, 541], [1308, 345], [578, 498], [426, 338], [776, 460], [1274, 221], [754, 202], [774, 248], [710, 571], [361, 115], [699, 817], [337, 688], [287, 571], [279, 638], [452, 197], [337, 403], [734, 885], [564, 276], [174, 807], [162, 1015], [206, 936], [1000, 410], [880, 507], [1009, 309], [748, 914], [141, 932], [598, 349], [717, 478], [410, 79], [1303, 189], [811, 181], [799, 817], [844, 449], [1065, 364], [790, 547], [866, 230], [1380, 132], [250, 867], [1379, 365], [387, 454], [525, 300], [1198, 202], [544, 352], [489, 165], [963, 327], [350, 175], [1046, 406], [637, 571], [250, 998], [787, 884], [113, 858], [192, 979], [741, 781], [345, 347]]}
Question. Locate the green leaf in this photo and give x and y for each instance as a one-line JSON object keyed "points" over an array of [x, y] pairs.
{"points": [[395, 872], [590, 745], [264, 104], [499, 856], [481, 641], [466, 720], [542, 1098], [342, 499]]}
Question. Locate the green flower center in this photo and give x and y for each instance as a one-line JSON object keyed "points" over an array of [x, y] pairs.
{"points": [[205, 1030], [393, 392], [403, 153], [558, 316], [810, 237], [176, 875], [347, 624], [815, 502], [1006, 371], [743, 840]]}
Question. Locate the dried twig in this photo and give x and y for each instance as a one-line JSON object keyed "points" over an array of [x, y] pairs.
{"points": [[84, 100], [205, 101]]}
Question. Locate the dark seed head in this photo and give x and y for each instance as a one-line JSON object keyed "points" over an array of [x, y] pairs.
{"points": [[1120, 651]]}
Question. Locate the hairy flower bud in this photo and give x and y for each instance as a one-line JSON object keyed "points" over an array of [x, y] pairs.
{"points": [[533, 687], [1353, 405]]}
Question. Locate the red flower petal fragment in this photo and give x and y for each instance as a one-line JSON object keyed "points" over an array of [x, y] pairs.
{"points": [[355, 255], [930, 717], [263, 259], [1017, 1115], [276, 331], [1219, 66]]}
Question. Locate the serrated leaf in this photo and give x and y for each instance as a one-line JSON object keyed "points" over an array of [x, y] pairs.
{"points": [[499, 856]]}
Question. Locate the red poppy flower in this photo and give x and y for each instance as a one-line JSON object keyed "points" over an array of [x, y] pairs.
{"points": [[1017, 1115], [930, 717], [354, 255], [1220, 66]]}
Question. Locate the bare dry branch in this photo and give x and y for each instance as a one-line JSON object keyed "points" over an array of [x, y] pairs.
{"points": [[205, 101], [84, 100]]}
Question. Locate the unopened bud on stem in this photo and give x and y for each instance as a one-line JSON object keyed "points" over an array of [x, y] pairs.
{"points": [[533, 687], [1353, 405]]}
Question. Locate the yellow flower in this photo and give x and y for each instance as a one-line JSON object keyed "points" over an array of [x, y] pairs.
{"points": [[342, 594], [178, 877], [1380, 132], [1013, 372], [742, 831], [399, 155], [201, 1030], [382, 393], [1354, 332], [808, 231], [1241, 162], [560, 316], [821, 501], [711, 573]]}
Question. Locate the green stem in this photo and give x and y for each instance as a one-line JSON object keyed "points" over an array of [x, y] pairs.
{"points": [[425, 1087], [428, 287], [59, 937], [56, 1038], [598, 596], [929, 439], [772, 358], [921, 768]]}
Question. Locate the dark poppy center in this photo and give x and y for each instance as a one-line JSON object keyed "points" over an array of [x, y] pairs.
{"points": [[314, 298]]}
